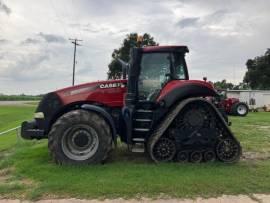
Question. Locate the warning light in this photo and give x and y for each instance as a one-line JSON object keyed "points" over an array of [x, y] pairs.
{"points": [[139, 38]]}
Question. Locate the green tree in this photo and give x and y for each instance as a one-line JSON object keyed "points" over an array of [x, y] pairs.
{"points": [[223, 84], [258, 72], [241, 86], [115, 69]]}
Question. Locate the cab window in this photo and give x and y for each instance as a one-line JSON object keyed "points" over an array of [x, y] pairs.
{"points": [[154, 67], [179, 66], [156, 70]]}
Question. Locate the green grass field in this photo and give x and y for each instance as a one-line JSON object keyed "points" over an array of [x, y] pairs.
{"points": [[27, 172], [19, 97]]}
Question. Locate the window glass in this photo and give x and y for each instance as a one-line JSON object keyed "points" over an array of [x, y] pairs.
{"points": [[156, 70], [154, 67], [179, 65]]}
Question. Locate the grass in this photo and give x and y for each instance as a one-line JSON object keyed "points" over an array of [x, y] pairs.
{"points": [[21, 97], [27, 171], [253, 131], [10, 117]]}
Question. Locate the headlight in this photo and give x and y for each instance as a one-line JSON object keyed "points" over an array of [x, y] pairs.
{"points": [[39, 115]]}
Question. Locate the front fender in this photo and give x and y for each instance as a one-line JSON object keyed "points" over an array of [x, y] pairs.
{"points": [[105, 115]]}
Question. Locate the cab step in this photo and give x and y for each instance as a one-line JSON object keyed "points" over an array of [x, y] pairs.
{"points": [[141, 129], [144, 111], [143, 120], [138, 139]]}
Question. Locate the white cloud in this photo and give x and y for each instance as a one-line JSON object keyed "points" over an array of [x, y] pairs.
{"points": [[36, 56]]}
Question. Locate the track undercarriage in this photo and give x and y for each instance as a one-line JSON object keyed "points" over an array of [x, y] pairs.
{"points": [[196, 133]]}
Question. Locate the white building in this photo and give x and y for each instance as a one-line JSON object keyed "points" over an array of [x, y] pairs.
{"points": [[254, 98]]}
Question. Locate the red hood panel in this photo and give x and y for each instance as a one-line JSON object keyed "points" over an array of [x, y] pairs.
{"points": [[110, 93]]}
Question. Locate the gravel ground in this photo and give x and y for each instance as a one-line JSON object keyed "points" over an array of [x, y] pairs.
{"points": [[254, 198]]}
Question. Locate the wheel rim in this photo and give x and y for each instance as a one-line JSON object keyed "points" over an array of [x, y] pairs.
{"points": [[80, 142], [241, 109], [227, 150], [164, 150]]}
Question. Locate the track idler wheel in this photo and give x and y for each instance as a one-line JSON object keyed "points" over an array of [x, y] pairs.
{"points": [[196, 157], [209, 156], [182, 156], [228, 151], [164, 150]]}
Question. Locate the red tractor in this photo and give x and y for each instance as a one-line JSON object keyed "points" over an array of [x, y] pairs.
{"points": [[232, 106], [157, 110]]}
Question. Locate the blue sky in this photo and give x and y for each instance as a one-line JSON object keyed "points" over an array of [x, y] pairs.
{"points": [[36, 55]]}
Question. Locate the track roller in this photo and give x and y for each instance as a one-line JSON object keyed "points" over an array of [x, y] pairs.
{"points": [[209, 156], [164, 150], [182, 156], [196, 157], [228, 150]]}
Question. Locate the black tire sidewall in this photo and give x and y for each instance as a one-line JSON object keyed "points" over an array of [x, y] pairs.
{"points": [[79, 117]]}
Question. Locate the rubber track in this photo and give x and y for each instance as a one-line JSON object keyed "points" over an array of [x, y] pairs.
{"points": [[163, 126]]}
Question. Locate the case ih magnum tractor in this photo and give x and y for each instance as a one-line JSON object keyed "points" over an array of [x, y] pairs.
{"points": [[158, 109]]}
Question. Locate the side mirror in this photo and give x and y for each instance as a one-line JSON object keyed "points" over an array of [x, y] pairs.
{"points": [[168, 75]]}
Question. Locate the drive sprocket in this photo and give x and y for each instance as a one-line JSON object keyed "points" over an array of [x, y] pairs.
{"points": [[164, 150]]}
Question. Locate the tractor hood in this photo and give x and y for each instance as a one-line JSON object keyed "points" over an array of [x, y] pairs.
{"points": [[90, 85], [108, 92]]}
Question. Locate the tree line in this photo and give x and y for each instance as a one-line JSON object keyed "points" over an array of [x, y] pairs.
{"points": [[257, 75], [21, 97]]}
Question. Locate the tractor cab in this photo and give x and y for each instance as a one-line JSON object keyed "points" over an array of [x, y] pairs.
{"points": [[157, 68], [150, 70]]}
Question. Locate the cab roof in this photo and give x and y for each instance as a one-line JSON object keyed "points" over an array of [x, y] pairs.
{"points": [[179, 48]]}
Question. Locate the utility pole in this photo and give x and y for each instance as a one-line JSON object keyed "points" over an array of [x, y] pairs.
{"points": [[74, 41]]}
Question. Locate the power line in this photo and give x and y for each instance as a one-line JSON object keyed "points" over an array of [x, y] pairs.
{"points": [[72, 8], [59, 18], [75, 15], [67, 13], [74, 41]]}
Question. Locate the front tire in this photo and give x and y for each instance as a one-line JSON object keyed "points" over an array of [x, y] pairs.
{"points": [[80, 137]]}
